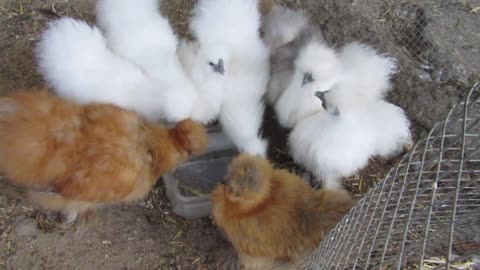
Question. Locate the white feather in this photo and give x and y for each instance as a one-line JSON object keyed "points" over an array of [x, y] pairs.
{"points": [[76, 62], [229, 29], [136, 30], [282, 25], [286, 31], [365, 77], [332, 147], [213, 20], [298, 101], [391, 127], [208, 83]]}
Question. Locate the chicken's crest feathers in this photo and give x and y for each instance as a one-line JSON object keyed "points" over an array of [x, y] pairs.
{"points": [[250, 171], [366, 69], [316, 69], [323, 64], [249, 180], [190, 136]]}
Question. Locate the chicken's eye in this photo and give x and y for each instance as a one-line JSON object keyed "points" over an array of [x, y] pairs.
{"points": [[307, 78]]}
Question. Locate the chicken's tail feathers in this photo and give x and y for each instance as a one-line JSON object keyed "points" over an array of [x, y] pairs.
{"points": [[31, 103], [392, 129], [33, 123], [214, 19], [281, 25], [74, 59], [190, 136]]}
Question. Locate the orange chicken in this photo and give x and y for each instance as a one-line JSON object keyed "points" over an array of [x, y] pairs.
{"points": [[73, 158], [271, 216]]}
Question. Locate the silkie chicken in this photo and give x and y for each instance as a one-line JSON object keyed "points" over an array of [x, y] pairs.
{"points": [[73, 158], [78, 62], [230, 28], [286, 31], [272, 217], [356, 123]]}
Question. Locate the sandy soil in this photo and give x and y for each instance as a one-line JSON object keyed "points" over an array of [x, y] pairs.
{"points": [[146, 235]]}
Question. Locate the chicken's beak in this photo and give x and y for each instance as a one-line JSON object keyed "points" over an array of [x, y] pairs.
{"points": [[307, 78], [219, 67], [223, 181], [336, 111], [321, 96]]}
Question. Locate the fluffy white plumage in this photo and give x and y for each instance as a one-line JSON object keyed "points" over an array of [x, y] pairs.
{"points": [[230, 28], [392, 128], [282, 25], [286, 32], [208, 82], [334, 145], [137, 31], [364, 77], [75, 60], [298, 100]]}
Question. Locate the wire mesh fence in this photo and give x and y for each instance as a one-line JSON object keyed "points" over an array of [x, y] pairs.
{"points": [[425, 212]]}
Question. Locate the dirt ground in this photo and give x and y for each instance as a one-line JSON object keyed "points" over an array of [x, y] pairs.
{"points": [[438, 56]]}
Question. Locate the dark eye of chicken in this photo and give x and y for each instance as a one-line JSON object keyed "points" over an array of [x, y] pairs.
{"points": [[219, 67], [307, 78]]}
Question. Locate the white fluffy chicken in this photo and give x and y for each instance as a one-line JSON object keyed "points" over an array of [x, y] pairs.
{"points": [[136, 67], [357, 124], [230, 28], [286, 31]]}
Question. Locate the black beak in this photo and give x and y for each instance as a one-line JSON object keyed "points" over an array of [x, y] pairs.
{"points": [[223, 181], [219, 67], [307, 78], [321, 96], [336, 111]]}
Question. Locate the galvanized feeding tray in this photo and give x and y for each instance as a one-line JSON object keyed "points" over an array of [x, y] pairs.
{"points": [[189, 186]]}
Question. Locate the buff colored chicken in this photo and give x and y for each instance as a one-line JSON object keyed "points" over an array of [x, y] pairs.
{"points": [[73, 158], [272, 217]]}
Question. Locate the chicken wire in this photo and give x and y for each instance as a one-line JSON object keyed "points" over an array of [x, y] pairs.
{"points": [[425, 212]]}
